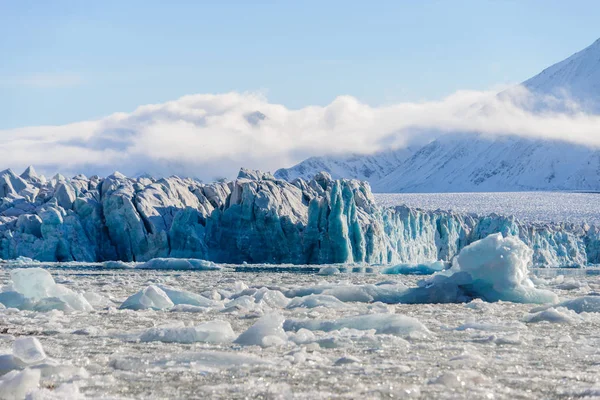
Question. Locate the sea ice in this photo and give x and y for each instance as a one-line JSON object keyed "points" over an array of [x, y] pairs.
{"points": [[590, 304], [415, 269], [558, 315], [206, 361], [329, 270], [34, 288], [184, 297], [33, 283], [68, 391], [17, 384], [29, 350], [183, 264], [208, 332], [267, 331], [151, 297], [393, 324], [316, 300]]}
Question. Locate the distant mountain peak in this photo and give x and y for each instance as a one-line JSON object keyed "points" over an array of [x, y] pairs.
{"points": [[576, 78], [470, 162]]}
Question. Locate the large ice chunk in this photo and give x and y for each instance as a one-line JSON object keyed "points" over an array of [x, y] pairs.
{"points": [[590, 304], [316, 300], [151, 297], [498, 268], [267, 331], [184, 297], [17, 384], [33, 283], [34, 288], [494, 268], [29, 350]]}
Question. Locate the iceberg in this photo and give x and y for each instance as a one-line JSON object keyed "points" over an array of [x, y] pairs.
{"points": [[492, 269], [496, 268]]}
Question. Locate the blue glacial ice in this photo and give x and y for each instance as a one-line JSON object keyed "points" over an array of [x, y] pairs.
{"points": [[494, 268], [415, 269], [255, 218]]}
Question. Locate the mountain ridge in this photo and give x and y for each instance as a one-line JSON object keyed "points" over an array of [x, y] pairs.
{"points": [[476, 162]]}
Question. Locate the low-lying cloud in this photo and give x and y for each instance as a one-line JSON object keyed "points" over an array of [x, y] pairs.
{"points": [[212, 136]]}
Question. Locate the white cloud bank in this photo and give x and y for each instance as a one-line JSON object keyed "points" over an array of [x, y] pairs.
{"points": [[209, 136]]}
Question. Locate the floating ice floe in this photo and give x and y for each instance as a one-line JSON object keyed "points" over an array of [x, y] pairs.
{"points": [[589, 304], [559, 315], [267, 331], [151, 297], [393, 324], [22, 369], [208, 332], [160, 297], [317, 300], [17, 384], [205, 361], [35, 289], [329, 270], [180, 297], [117, 265]]}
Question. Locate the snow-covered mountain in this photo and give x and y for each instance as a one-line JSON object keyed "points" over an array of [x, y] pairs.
{"points": [[577, 77], [369, 167], [470, 162]]}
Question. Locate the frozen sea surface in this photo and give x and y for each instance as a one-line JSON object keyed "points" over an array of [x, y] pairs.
{"points": [[476, 350], [526, 206]]}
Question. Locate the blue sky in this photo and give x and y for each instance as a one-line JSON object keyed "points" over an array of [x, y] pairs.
{"points": [[66, 61]]}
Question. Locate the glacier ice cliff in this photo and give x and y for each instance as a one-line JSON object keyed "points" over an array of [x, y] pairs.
{"points": [[255, 218]]}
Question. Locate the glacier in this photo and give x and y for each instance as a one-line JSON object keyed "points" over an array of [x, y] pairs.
{"points": [[255, 218]]}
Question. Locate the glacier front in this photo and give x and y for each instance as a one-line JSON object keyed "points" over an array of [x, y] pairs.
{"points": [[255, 218]]}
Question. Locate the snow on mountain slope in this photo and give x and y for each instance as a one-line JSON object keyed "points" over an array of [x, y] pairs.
{"points": [[369, 167], [472, 162], [577, 77], [468, 163]]}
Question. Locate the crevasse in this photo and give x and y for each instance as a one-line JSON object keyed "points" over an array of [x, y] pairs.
{"points": [[255, 218]]}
